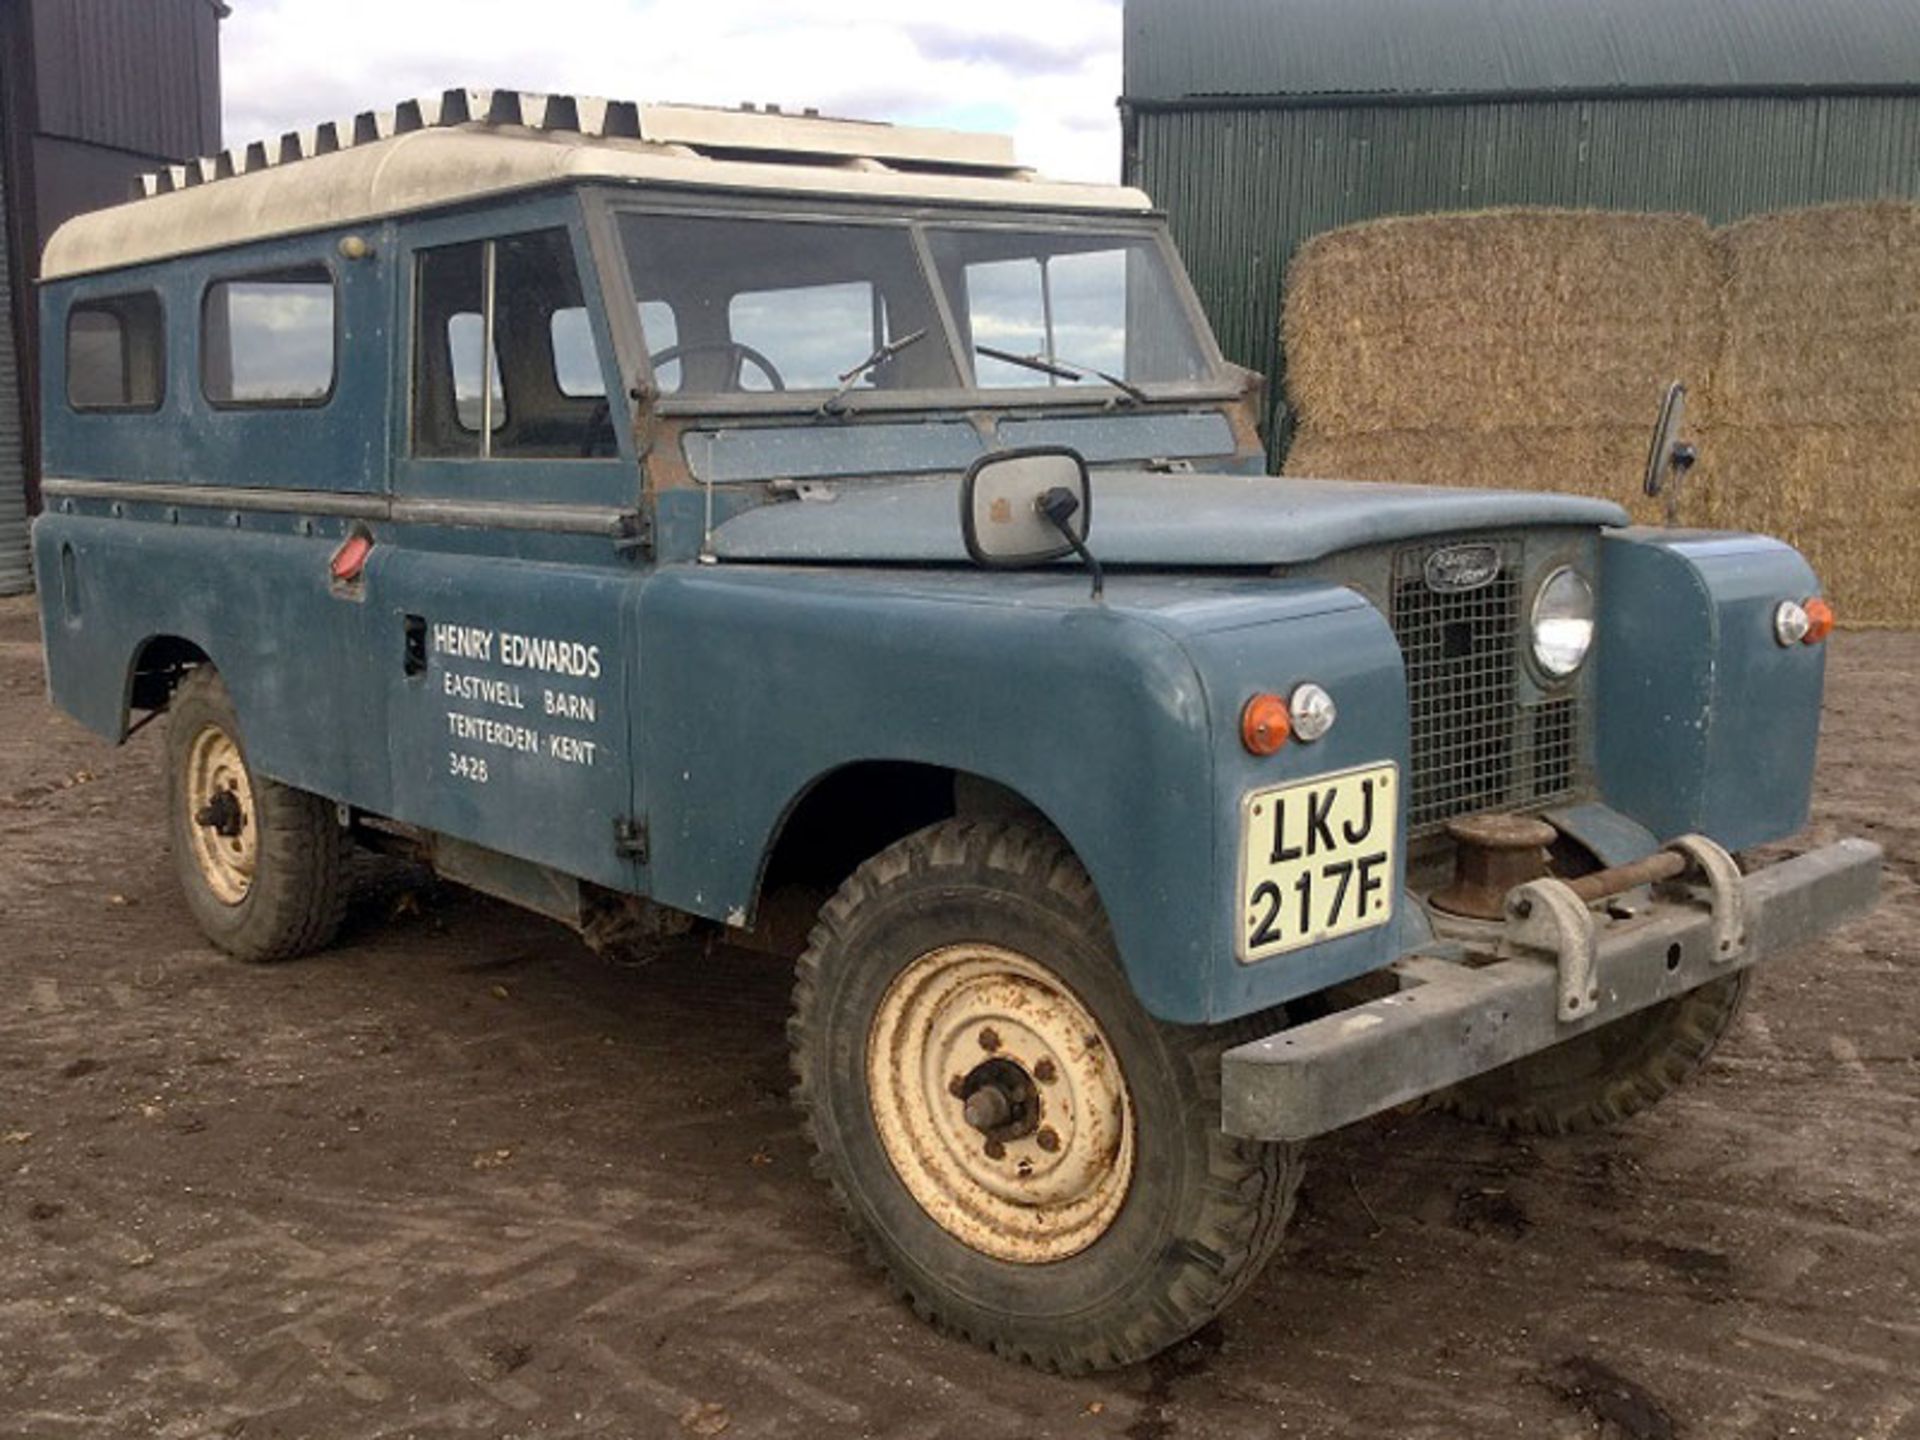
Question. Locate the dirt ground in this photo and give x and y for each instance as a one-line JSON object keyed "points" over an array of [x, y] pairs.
{"points": [[458, 1177]]}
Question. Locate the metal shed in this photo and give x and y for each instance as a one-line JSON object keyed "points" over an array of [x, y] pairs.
{"points": [[1257, 124], [92, 94]]}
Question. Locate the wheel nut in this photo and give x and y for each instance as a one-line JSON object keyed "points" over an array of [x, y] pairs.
{"points": [[1047, 1140], [957, 1087], [995, 1150], [989, 1040], [1045, 1073]]}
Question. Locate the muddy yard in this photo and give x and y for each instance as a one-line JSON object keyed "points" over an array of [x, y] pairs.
{"points": [[459, 1177]]}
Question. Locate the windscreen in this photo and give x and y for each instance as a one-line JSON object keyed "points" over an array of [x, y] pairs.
{"points": [[1089, 303], [732, 306], [740, 305]]}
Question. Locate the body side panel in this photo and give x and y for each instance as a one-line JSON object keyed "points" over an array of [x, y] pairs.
{"points": [[756, 683], [300, 661]]}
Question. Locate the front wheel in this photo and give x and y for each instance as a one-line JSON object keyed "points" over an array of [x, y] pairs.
{"points": [[1603, 1077], [1036, 1161]]}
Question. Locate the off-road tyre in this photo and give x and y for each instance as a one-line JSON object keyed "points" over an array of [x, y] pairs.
{"points": [[1202, 1212], [1606, 1076], [293, 901]]}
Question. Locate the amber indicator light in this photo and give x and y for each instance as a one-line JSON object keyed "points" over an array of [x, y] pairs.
{"points": [[1819, 621], [1265, 724]]}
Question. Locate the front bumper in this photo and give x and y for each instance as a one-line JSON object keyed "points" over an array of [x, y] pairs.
{"points": [[1553, 971]]}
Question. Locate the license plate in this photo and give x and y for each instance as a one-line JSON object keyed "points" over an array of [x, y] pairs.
{"points": [[1317, 860]]}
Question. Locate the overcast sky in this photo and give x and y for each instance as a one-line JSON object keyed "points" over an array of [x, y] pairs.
{"points": [[1048, 70]]}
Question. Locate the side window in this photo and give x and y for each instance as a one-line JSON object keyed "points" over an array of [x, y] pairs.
{"points": [[576, 362], [467, 341], [269, 339], [116, 353], [513, 311]]}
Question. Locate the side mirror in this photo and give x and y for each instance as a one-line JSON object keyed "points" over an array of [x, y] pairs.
{"points": [[1671, 457], [1020, 508]]}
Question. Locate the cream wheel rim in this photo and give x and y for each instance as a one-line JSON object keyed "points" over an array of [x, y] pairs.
{"points": [[220, 817], [1001, 1104]]}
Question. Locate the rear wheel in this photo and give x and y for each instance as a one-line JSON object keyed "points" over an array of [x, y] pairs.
{"points": [[1036, 1161], [1608, 1075], [260, 863]]}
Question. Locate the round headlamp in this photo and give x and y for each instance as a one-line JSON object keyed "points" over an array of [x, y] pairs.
{"points": [[1563, 613]]}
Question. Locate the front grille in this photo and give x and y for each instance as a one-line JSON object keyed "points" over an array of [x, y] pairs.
{"points": [[1552, 751], [1476, 744]]}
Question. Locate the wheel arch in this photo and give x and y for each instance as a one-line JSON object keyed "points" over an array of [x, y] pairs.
{"points": [[844, 816], [155, 668]]}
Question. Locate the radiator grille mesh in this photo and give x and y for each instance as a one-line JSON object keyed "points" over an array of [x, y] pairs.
{"points": [[1476, 745]]}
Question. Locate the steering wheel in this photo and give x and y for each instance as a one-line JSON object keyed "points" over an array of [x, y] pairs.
{"points": [[743, 355]]}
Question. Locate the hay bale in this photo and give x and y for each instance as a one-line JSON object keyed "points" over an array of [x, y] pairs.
{"points": [[1604, 461], [1823, 318], [1528, 350], [1818, 400], [1816, 487], [1503, 320], [1844, 496]]}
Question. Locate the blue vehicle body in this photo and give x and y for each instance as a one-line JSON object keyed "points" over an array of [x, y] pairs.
{"points": [[725, 645]]}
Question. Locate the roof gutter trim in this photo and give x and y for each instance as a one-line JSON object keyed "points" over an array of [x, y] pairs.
{"points": [[1342, 100]]}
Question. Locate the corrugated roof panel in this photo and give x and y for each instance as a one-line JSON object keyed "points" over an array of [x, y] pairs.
{"points": [[137, 75], [1279, 49], [15, 575]]}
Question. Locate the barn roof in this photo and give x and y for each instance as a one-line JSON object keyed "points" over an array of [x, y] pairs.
{"points": [[1320, 50]]}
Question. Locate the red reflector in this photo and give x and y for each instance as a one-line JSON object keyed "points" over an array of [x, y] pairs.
{"points": [[351, 558]]}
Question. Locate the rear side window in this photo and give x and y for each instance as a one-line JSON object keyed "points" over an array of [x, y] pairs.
{"points": [[116, 353], [269, 339]]}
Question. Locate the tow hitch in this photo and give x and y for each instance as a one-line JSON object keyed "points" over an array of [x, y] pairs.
{"points": [[1501, 875]]}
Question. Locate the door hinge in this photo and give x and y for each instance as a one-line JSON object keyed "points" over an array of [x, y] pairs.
{"points": [[634, 535], [630, 839]]}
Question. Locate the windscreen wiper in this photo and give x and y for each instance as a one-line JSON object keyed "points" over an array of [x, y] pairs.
{"points": [[835, 403], [1065, 370]]}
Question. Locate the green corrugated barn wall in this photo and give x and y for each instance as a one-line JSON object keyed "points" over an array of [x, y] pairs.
{"points": [[1257, 124]]}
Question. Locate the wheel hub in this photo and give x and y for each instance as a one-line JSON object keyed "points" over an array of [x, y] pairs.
{"points": [[1000, 1103], [222, 815], [219, 799]]}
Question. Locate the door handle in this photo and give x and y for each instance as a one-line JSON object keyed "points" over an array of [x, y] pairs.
{"points": [[414, 653]]}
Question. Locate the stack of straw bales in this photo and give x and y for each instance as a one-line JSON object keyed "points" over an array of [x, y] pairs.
{"points": [[1818, 397], [1522, 349], [1530, 349]]}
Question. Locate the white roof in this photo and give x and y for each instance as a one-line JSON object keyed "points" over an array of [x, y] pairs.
{"points": [[468, 143]]}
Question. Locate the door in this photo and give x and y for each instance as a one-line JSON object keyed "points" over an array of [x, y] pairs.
{"points": [[511, 596]]}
